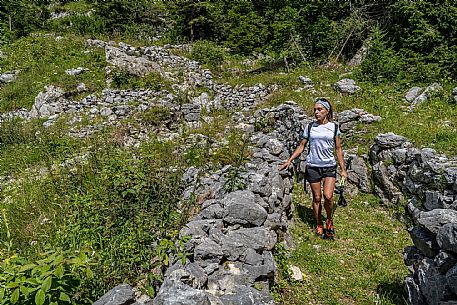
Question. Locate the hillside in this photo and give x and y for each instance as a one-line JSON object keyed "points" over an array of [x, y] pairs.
{"points": [[134, 160]]}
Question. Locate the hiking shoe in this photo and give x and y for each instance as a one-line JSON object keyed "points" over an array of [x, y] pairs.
{"points": [[330, 231], [320, 231]]}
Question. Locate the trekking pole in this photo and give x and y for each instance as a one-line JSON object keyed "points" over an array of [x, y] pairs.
{"points": [[340, 189]]}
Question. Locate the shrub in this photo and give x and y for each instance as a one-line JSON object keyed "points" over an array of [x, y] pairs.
{"points": [[382, 62], [207, 53]]}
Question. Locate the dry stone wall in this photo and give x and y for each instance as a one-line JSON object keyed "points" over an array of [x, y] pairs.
{"points": [[430, 181], [233, 236]]}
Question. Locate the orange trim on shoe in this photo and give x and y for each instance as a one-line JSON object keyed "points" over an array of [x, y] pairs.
{"points": [[320, 231], [330, 231]]}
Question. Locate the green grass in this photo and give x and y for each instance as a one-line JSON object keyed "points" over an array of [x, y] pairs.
{"points": [[363, 265], [432, 124], [42, 61]]}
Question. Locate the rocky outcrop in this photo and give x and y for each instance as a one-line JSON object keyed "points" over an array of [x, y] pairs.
{"points": [[430, 180], [417, 95], [135, 65], [346, 86], [348, 119], [361, 53], [115, 104], [48, 103]]}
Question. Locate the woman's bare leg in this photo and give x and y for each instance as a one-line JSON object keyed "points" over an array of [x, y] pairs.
{"points": [[317, 206], [329, 187]]}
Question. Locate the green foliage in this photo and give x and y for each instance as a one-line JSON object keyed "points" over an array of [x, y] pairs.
{"points": [[264, 124], [418, 46], [30, 144], [20, 17], [355, 268], [281, 256], [234, 181], [56, 277], [113, 202], [139, 18], [382, 62], [247, 30], [123, 80], [207, 53], [156, 116], [171, 248], [234, 152], [79, 24]]}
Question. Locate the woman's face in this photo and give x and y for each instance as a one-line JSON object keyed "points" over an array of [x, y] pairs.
{"points": [[320, 113]]}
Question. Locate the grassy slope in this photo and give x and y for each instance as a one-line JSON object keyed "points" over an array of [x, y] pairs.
{"points": [[432, 124], [363, 265]]}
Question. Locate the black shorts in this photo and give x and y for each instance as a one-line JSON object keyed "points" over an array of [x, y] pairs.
{"points": [[316, 174]]}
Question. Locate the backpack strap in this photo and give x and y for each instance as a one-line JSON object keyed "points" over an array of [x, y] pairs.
{"points": [[310, 124], [335, 132]]}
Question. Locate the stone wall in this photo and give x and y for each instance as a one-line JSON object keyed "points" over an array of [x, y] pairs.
{"points": [[233, 236], [429, 180]]}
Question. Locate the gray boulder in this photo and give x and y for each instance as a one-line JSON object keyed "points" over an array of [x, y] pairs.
{"points": [[258, 238], [346, 86], [248, 296], [208, 251], [190, 274], [415, 296], [240, 208], [426, 94], [173, 292], [134, 65], [412, 94], [8, 77], [432, 283], [389, 140], [48, 103], [120, 295], [445, 261], [358, 174], [75, 71], [451, 279], [424, 241], [435, 219], [447, 237]]}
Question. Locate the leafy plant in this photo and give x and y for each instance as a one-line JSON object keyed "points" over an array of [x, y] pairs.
{"points": [[234, 181], [55, 278]]}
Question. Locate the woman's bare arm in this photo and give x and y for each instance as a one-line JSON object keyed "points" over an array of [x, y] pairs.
{"points": [[340, 157], [296, 153]]}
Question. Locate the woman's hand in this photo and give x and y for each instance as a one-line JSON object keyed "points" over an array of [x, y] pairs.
{"points": [[284, 165], [344, 174]]}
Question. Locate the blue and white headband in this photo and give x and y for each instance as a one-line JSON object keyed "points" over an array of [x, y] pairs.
{"points": [[324, 103]]}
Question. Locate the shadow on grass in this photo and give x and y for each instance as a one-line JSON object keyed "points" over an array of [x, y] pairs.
{"points": [[306, 215], [392, 292]]}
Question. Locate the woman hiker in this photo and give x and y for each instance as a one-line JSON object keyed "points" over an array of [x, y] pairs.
{"points": [[323, 136]]}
